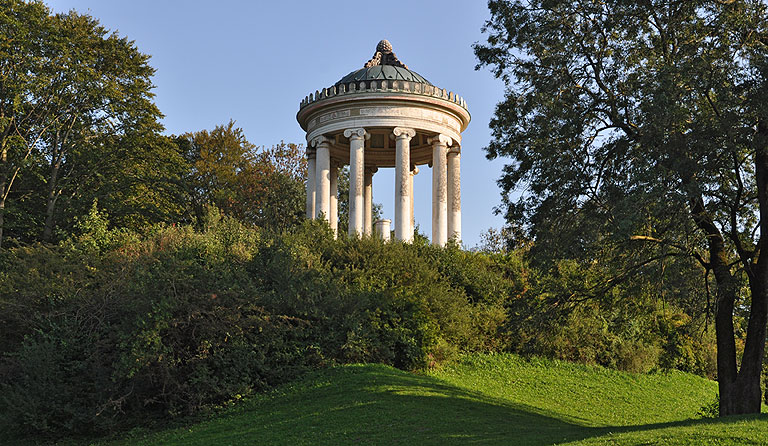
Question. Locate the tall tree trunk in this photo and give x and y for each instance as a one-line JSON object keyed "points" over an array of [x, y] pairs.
{"points": [[53, 195], [52, 182], [740, 391], [57, 157], [743, 394], [4, 173], [3, 181], [727, 368], [747, 390]]}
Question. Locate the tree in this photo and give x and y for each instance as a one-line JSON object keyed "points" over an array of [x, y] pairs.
{"points": [[640, 129], [102, 86], [75, 109], [258, 186], [25, 71], [273, 194], [135, 177]]}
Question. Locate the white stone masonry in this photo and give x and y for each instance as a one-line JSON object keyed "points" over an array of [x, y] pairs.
{"points": [[403, 230]]}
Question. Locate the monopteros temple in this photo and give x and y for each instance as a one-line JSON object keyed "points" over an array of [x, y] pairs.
{"points": [[385, 115]]}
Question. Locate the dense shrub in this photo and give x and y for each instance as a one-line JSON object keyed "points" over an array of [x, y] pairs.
{"points": [[112, 328], [622, 326], [164, 325]]}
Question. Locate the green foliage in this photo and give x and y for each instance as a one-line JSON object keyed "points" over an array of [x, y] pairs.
{"points": [[127, 327], [391, 303], [77, 124], [59, 380], [112, 328], [569, 313], [263, 187], [710, 410], [92, 234], [637, 135]]}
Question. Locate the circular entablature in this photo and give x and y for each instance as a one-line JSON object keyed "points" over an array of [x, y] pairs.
{"points": [[380, 148]]}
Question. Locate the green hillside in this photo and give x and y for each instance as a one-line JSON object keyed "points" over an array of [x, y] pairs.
{"points": [[500, 399]]}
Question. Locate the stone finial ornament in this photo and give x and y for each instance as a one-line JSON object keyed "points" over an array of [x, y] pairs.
{"points": [[384, 46], [384, 56]]}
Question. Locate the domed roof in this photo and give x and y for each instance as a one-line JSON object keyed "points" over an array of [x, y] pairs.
{"points": [[384, 65], [383, 72]]}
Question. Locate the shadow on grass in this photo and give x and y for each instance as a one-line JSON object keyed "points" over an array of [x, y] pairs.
{"points": [[378, 405]]}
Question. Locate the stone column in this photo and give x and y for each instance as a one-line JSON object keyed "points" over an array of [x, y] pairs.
{"points": [[439, 189], [311, 180], [414, 171], [434, 193], [454, 194], [323, 168], [368, 201], [402, 183], [356, 181], [334, 217]]}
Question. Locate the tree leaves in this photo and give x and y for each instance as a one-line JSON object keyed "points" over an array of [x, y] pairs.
{"points": [[642, 119], [261, 186], [73, 97]]}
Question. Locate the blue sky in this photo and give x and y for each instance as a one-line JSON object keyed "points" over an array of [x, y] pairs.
{"points": [[254, 61]]}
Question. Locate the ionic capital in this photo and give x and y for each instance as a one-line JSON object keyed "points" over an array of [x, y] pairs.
{"points": [[415, 171], [441, 140], [311, 153], [455, 149], [404, 133], [372, 170], [357, 133], [317, 141]]}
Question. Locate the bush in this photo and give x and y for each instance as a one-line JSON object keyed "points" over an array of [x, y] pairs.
{"points": [[110, 329], [128, 328], [710, 410], [56, 382], [623, 326]]}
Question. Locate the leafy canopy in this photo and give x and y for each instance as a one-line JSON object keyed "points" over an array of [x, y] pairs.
{"points": [[637, 132]]}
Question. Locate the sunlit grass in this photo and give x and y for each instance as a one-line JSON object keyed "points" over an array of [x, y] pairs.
{"points": [[489, 400]]}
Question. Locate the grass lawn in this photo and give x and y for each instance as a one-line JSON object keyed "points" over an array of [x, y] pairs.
{"points": [[484, 400]]}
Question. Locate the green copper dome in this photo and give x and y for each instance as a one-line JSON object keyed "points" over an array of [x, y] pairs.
{"points": [[383, 66], [383, 72]]}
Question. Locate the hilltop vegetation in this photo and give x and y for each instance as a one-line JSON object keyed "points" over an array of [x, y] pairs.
{"points": [[111, 328]]}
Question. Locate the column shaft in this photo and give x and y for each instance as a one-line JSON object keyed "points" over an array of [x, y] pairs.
{"points": [[402, 183], [311, 181], [368, 203], [334, 217], [411, 216], [356, 186], [323, 194], [454, 195], [439, 191], [434, 194]]}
